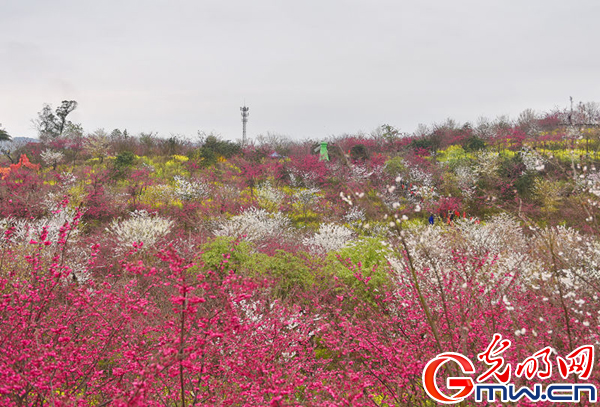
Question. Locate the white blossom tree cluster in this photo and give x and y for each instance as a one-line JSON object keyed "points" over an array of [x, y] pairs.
{"points": [[466, 180], [24, 231], [255, 225], [190, 190], [52, 158], [140, 227], [532, 160], [504, 255], [330, 237], [269, 193]]}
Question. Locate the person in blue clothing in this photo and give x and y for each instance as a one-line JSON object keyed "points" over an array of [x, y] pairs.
{"points": [[431, 220]]}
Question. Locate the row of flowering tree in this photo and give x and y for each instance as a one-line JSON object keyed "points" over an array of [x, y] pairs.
{"points": [[166, 328]]}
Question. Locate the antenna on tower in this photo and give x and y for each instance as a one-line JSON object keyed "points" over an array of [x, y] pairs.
{"points": [[245, 115], [571, 114]]}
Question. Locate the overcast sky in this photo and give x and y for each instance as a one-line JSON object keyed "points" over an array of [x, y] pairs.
{"points": [[306, 69]]}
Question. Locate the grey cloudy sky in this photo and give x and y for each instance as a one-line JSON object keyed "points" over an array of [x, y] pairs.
{"points": [[306, 69]]}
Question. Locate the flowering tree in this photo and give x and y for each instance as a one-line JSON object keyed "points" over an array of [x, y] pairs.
{"points": [[255, 225], [52, 158], [330, 237], [97, 144], [141, 228]]}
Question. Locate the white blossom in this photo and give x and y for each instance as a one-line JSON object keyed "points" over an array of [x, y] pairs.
{"points": [[488, 162], [141, 227], [330, 237], [355, 214], [532, 160], [67, 179], [306, 196], [267, 192], [466, 180], [590, 182], [188, 190], [254, 225], [360, 172], [26, 230], [50, 157]]}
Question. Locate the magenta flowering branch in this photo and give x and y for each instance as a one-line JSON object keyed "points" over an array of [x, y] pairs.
{"points": [[396, 226]]}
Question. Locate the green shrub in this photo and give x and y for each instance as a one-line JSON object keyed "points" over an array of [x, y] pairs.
{"points": [[454, 156], [213, 253], [124, 159], [212, 149], [395, 166], [525, 183], [291, 271], [367, 255], [122, 164], [474, 143], [359, 152]]}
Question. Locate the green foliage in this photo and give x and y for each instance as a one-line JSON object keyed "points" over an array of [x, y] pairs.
{"points": [[449, 185], [454, 156], [395, 166], [359, 152], [424, 143], [512, 170], [173, 145], [431, 143], [4, 136], [525, 183], [213, 251], [304, 217], [549, 194], [124, 159], [72, 130], [389, 133], [474, 143], [291, 271], [122, 164], [367, 255], [213, 148], [52, 124], [47, 123]]}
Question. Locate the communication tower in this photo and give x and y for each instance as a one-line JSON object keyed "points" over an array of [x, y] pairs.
{"points": [[245, 115]]}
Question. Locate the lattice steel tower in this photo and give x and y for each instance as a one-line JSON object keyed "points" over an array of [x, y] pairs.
{"points": [[245, 115]]}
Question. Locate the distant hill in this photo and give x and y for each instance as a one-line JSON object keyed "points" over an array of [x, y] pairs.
{"points": [[17, 142], [24, 140]]}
